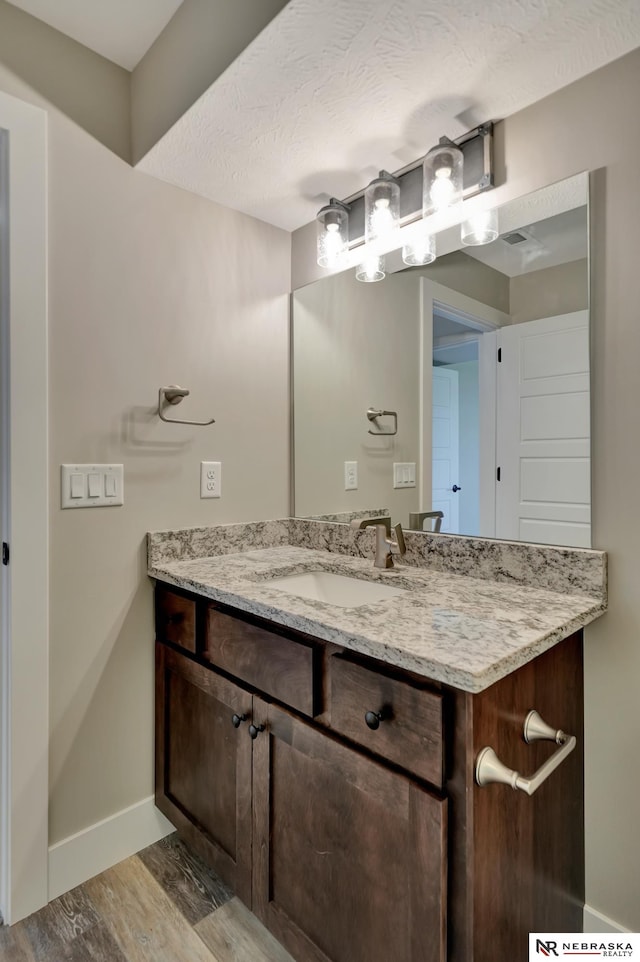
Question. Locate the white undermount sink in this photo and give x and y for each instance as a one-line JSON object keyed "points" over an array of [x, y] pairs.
{"points": [[334, 589]]}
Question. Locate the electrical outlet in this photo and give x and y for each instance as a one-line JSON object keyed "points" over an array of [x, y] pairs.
{"points": [[350, 475], [210, 479]]}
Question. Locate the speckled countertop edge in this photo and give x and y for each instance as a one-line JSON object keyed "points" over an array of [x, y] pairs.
{"points": [[462, 631]]}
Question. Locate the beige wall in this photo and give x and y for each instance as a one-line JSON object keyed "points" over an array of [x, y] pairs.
{"points": [[196, 46], [89, 89], [470, 277], [586, 127], [546, 293], [147, 285]]}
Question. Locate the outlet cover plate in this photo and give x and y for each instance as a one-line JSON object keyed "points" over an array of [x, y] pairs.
{"points": [[350, 475], [210, 479]]}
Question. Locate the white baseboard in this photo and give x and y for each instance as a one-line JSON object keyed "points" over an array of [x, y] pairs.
{"points": [[98, 847], [597, 922]]}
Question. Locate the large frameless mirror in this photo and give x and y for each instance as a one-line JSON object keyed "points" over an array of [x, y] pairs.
{"points": [[459, 389]]}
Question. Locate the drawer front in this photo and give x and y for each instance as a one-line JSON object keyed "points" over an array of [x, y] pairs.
{"points": [[175, 619], [409, 731], [287, 670]]}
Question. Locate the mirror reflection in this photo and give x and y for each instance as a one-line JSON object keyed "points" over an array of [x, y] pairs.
{"points": [[460, 388]]}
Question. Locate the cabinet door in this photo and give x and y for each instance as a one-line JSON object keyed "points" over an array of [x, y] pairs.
{"points": [[203, 764], [349, 856]]}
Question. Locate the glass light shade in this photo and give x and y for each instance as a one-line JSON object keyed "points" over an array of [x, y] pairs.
{"points": [[332, 224], [442, 171], [371, 269], [420, 251], [381, 210], [482, 228]]}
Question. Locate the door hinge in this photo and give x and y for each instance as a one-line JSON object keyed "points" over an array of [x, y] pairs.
{"points": [[5, 553], [499, 355], [497, 474]]}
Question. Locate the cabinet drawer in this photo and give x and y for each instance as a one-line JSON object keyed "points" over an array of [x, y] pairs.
{"points": [[175, 619], [287, 670], [409, 733]]}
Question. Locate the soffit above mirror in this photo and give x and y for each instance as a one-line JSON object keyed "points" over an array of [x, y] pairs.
{"points": [[329, 94]]}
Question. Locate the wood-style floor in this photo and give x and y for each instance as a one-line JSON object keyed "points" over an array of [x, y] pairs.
{"points": [[161, 905]]}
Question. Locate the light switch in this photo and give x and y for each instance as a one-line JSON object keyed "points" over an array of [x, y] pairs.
{"points": [[77, 485], [404, 474], [91, 485], [95, 485]]}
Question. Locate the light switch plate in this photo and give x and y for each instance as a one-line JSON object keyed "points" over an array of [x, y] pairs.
{"points": [[404, 474], [86, 485], [350, 475], [210, 479]]}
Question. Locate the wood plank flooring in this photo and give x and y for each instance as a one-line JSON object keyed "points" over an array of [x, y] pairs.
{"points": [[161, 905]]}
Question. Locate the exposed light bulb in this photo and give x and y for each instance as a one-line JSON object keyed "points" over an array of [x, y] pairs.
{"points": [[420, 251], [333, 247], [382, 220], [371, 269], [442, 189], [480, 229], [442, 181], [332, 234], [382, 212]]}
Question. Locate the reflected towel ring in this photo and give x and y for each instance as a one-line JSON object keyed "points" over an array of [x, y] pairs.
{"points": [[372, 415]]}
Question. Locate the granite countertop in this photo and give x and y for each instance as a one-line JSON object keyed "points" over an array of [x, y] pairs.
{"points": [[464, 631]]}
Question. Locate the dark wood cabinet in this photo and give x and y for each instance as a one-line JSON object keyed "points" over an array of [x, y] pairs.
{"points": [[350, 857], [203, 764], [337, 795]]}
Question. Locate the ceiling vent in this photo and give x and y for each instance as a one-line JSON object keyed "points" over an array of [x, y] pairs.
{"points": [[527, 244], [514, 238]]}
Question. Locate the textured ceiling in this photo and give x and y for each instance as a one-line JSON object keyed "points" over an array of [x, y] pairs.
{"points": [[331, 92], [120, 30]]}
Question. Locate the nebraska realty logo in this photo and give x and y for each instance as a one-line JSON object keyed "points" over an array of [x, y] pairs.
{"points": [[561, 945]]}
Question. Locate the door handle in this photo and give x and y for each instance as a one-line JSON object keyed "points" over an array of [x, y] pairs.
{"points": [[455, 489]]}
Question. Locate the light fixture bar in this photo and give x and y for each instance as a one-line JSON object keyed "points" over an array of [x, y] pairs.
{"points": [[477, 147]]}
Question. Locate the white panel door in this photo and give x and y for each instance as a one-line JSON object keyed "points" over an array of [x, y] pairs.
{"points": [[543, 431], [445, 448]]}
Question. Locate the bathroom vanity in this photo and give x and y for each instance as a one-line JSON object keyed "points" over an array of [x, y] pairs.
{"points": [[321, 758]]}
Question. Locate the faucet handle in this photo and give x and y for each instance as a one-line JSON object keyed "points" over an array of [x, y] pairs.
{"points": [[359, 523], [399, 543]]}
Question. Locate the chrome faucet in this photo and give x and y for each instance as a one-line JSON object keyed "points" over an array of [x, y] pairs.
{"points": [[384, 542]]}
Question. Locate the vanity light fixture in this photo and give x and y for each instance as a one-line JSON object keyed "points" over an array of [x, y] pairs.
{"points": [[381, 211], [420, 251], [371, 269], [406, 209], [442, 177], [480, 229], [332, 233]]}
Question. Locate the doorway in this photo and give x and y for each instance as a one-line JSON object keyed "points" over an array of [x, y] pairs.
{"points": [[24, 621], [457, 391]]}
